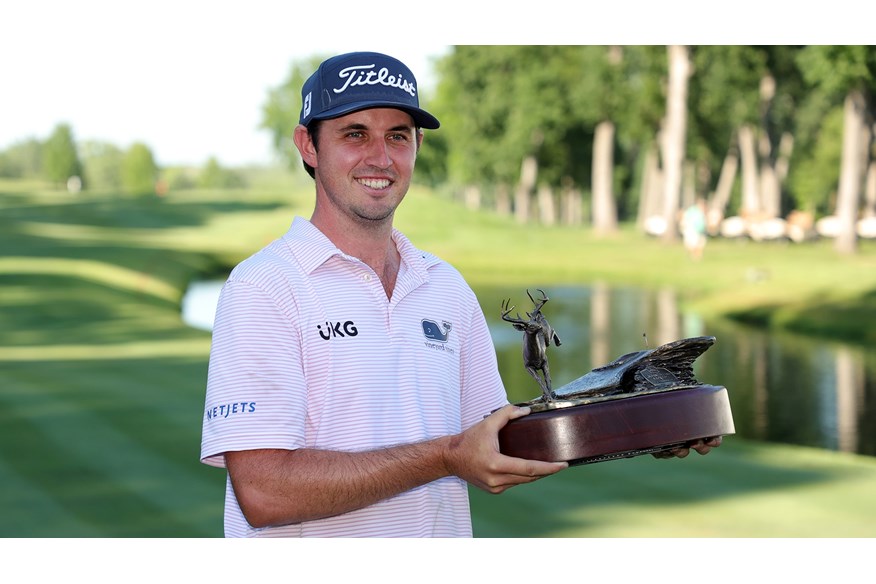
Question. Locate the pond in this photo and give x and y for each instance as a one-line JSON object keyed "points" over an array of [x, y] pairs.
{"points": [[783, 388]]}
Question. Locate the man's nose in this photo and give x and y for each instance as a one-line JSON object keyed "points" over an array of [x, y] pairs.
{"points": [[378, 154]]}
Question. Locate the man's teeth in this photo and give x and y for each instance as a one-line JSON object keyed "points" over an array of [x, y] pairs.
{"points": [[374, 183]]}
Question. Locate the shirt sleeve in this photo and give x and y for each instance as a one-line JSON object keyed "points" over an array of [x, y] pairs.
{"points": [[255, 382]]}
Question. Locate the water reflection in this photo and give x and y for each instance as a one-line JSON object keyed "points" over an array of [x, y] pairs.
{"points": [[783, 388], [199, 304], [800, 391], [849, 397]]}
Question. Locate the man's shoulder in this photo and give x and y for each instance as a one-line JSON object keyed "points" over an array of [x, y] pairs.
{"points": [[281, 252], [272, 259]]}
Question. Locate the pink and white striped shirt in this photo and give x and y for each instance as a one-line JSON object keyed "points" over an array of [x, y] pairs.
{"points": [[308, 352]]}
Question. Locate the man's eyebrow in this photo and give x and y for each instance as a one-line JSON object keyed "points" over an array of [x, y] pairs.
{"points": [[353, 126], [361, 126]]}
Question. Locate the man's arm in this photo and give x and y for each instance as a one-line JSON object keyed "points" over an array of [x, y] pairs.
{"points": [[280, 487]]}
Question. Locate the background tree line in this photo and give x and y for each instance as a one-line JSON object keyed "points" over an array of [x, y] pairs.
{"points": [[773, 137], [102, 166]]}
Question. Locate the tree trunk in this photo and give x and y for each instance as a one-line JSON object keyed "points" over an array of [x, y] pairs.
{"points": [[770, 191], [674, 136], [870, 191], [851, 173], [472, 196], [546, 208], [528, 175], [768, 187], [718, 204], [869, 178], [571, 203], [604, 207], [750, 194], [771, 194], [783, 163], [773, 174], [503, 200], [649, 196]]}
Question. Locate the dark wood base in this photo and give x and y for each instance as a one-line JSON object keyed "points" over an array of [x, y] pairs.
{"points": [[620, 427]]}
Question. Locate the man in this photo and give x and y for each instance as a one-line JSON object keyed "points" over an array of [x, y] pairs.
{"points": [[693, 228], [352, 377]]}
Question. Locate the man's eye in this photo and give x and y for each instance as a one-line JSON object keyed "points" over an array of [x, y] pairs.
{"points": [[399, 137]]}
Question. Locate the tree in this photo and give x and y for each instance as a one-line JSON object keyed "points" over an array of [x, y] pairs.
{"points": [[60, 159], [521, 117], [513, 119], [621, 97], [606, 65], [741, 101], [674, 134], [816, 174], [604, 206], [849, 73], [215, 176], [139, 171], [281, 111], [724, 121], [22, 160], [102, 166]]}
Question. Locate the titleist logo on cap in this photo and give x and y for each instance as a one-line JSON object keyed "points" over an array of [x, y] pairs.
{"points": [[351, 82], [365, 75]]}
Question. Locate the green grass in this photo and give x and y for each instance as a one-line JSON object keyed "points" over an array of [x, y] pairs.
{"points": [[741, 489], [806, 288], [103, 385]]}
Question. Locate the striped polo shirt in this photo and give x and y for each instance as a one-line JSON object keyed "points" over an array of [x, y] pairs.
{"points": [[308, 352]]}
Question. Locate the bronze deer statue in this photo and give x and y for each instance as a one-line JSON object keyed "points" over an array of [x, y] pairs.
{"points": [[537, 336]]}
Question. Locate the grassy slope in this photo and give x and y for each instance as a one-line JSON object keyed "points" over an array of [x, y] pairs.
{"points": [[103, 385], [806, 288]]}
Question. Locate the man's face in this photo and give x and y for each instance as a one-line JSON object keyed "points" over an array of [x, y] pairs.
{"points": [[364, 164]]}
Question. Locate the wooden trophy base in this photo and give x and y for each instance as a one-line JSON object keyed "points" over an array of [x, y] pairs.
{"points": [[620, 426]]}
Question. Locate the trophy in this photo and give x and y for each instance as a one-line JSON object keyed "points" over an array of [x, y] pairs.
{"points": [[645, 402]]}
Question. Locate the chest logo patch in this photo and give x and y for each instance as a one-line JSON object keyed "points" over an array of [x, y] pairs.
{"points": [[436, 333]]}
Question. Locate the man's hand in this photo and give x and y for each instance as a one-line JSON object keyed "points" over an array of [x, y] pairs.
{"points": [[474, 456], [701, 446]]}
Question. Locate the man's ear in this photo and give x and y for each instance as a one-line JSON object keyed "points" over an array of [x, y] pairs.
{"points": [[304, 143]]}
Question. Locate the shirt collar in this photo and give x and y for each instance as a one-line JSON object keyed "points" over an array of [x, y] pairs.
{"points": [[312, 248]]}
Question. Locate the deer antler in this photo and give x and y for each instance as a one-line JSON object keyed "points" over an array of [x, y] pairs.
{"points": [[506, 310], [538, 303]]}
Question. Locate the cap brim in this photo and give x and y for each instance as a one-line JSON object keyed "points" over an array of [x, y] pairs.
{"points": [[422, 118]]}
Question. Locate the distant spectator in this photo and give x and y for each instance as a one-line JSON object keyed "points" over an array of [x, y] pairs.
{"points": [[693, 229]]}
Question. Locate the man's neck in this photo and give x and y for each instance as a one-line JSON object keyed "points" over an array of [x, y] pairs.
{"points": [[373, 245]]}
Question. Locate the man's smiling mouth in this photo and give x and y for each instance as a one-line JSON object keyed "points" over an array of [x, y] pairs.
{"points": [[374, 183]]}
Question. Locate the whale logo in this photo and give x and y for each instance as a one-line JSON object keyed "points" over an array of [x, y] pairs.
{"points": [[435, 333]]}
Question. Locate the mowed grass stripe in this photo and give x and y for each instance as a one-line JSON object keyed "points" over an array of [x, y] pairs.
{"points": [[149, 349], [107, 273], [72, 460], [106, 455], [29, 509]]}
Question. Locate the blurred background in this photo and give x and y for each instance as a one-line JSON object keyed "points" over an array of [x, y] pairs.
{"points": [[144, 151]]}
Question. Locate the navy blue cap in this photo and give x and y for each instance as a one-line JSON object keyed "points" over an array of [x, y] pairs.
{"points": [[356, 81]]}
